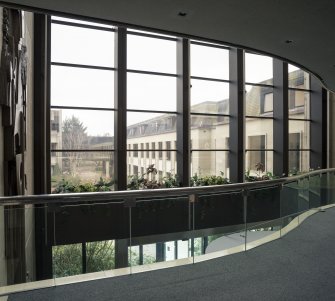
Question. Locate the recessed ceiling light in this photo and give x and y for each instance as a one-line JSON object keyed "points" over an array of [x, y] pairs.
{"points": [[182, 14], [289, 41]]}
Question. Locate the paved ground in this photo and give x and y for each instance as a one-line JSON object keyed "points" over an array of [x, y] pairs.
{"points": [[300, 266]]}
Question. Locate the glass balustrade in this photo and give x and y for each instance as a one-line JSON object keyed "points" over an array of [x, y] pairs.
{"points": [[98, 235]]}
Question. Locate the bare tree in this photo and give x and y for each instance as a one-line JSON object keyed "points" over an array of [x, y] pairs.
{"points": [[74, 137]]}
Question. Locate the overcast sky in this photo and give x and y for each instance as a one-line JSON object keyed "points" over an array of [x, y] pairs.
{"points": [[95, 88]]}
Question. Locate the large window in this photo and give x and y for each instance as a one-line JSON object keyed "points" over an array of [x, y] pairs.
{"points": [[82, 102], [224, 120], [209, 123], [259, 112], [151, 100], [83, 107], [299, 119]]}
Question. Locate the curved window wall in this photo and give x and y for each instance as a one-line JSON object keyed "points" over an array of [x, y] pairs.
{"points": [[177, 103], [130, 102]]}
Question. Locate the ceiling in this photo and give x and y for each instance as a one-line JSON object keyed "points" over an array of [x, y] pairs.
{"points": [[301, 31]]}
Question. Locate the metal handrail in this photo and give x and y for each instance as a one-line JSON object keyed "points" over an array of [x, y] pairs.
{"points": [[124, 195]]}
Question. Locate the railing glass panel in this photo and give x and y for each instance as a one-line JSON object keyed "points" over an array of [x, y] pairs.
{"points": [[161, 230], [218, 223], [100, 245], [63, 238], [315, 191]]}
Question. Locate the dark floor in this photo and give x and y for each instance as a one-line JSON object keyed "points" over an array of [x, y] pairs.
{"points": [[300, 266]]}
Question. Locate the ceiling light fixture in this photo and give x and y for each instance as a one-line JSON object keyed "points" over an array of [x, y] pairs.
{"points": [[182, 14]]}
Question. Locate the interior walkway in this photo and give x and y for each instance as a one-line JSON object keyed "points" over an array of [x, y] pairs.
{"points": [[300, 266]]}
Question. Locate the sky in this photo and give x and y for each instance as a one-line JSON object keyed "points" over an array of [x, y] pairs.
{"points": [[95, 88]]}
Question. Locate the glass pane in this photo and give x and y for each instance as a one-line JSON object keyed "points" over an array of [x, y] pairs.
{"points": [[209, 163], [143, 254], [299, 104], [298, 162], [298, 78], [70, 169], [259, 165], [258, 69], [81, 129], [87, 228], [209, 97], [315, 191], [263, 204], [80, 87], [100, 256], [151, 224], [299, 134], [151, 92], [69, 44], [81, 22], [259, 133], [259, 101], [289, 199], [209, 132], [151, 54], [151, 33], [209, 62], [18, 244], [219, 220], [328, 181], [260, 233], [303, 196], [150, 127], [67, 260], [158, 170]]}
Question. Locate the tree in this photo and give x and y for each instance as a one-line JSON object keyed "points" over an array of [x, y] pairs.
{"points": [[67, 259], [74, 137]]}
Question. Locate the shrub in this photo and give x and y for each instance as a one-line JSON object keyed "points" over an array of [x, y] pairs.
{"points": [[209, 180], [67, 186]]}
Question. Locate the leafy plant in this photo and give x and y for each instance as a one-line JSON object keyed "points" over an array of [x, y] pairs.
{"points": [[170, 181], [147, 180], [208, 180], [260, 175], [66, 186]]}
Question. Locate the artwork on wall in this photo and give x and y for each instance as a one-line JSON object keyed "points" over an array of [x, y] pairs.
{"points": [[13, 100]]}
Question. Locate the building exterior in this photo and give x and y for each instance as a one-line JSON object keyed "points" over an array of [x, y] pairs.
{"points": [[153, 141]]}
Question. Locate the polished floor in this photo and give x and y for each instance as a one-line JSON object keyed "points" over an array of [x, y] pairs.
{"points": [[299, 266]]}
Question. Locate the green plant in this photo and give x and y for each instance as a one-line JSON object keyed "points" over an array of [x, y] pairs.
{"points": [[209, 180], [171, 181], [147, 180], [67, 186], [104, 185], [260, 174]]}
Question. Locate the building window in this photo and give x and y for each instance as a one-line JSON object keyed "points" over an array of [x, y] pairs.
{"points": [[294, 156], [147, 148], [256, 153], [142, 150], [268, 103], [153, 153], [135, 150], [160, 152], [168, 148]]}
